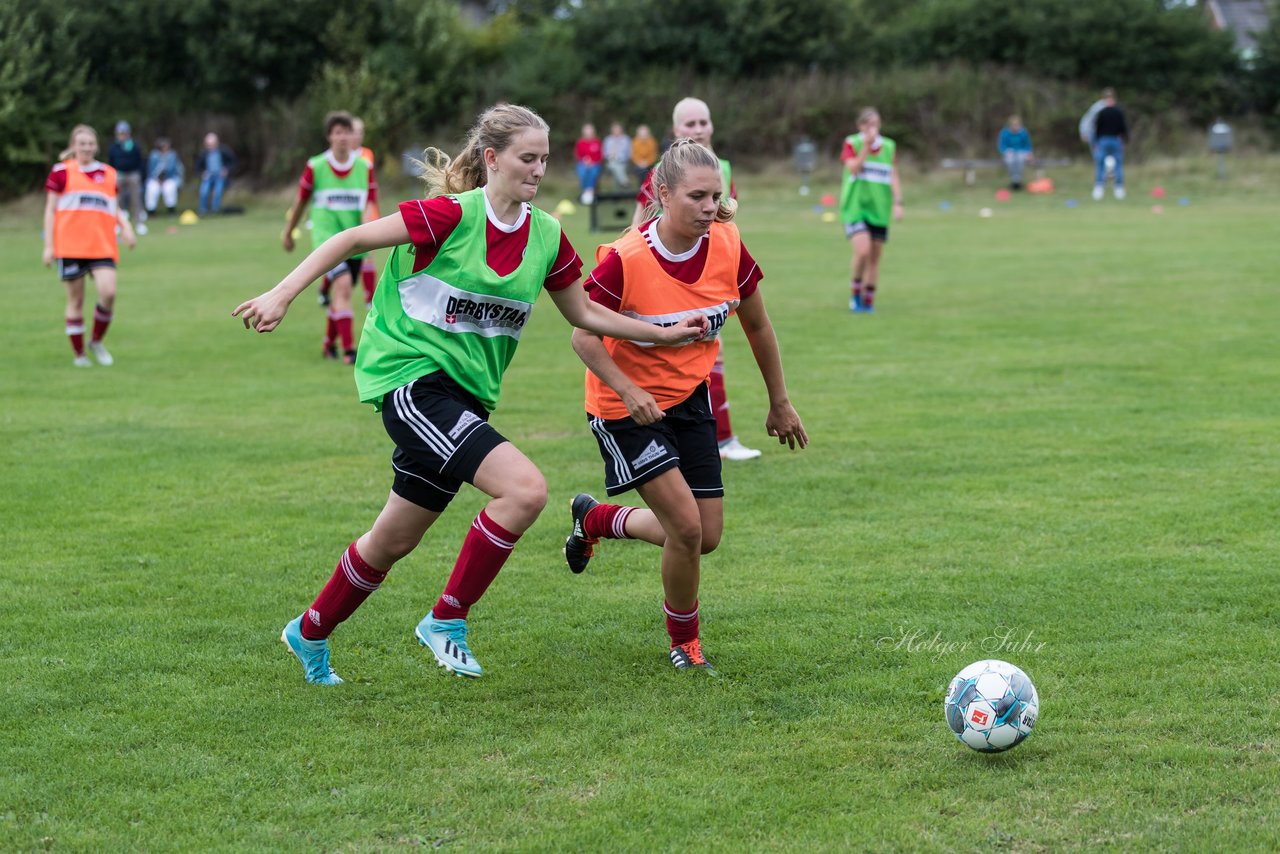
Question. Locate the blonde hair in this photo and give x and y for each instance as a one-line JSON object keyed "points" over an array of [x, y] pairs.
{"points": [[683, 155], [70, 150], [495, 128], [867, 114]]}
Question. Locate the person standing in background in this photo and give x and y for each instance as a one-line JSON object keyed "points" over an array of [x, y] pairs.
{"points": [[588, 153], [125, 157], [1110, 134], [214, 164], [644, 152]]}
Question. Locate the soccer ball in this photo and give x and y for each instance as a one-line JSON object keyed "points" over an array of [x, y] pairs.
{"points": [[991, 705]]}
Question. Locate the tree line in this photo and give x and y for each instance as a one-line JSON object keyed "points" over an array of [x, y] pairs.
{"points": [[944, 73]]}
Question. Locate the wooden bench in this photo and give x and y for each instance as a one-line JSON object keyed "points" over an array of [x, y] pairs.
{"points": [[972, 165], [615, 208]]}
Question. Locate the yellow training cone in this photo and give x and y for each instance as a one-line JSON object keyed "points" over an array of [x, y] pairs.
{"points": [[566, 208], [188, 218]]}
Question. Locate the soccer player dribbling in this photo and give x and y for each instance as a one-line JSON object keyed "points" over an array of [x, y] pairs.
{"points": [[81, 215], [650, 407], [467, 266], [343, 192], [870, 194]]}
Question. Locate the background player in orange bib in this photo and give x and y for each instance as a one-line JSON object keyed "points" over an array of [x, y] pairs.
{"points": [[81, 213], [650, 407]]}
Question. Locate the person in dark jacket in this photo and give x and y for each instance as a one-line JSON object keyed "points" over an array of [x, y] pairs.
{"points": [[125, 156], [1110, 134]]}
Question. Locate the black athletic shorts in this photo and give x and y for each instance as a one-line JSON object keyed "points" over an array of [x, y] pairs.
{"points": [[878, 232], [685, 438], [351, 267], [442, 435], [70, 269]]}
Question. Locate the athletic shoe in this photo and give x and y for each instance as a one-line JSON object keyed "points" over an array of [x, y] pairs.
{"points": [[314, 654], [82, 361], [732, 449], [855, 302], [330, 351], [349, 357], [323, 298], [100, 353], [140, 230], [1119, 194], [447, 640], [867, 309], [688, 656], [578, 547], [1097, 193]]}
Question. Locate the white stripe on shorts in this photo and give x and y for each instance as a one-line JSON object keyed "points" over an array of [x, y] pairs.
{"points": [[610, 446], [419, 424]]}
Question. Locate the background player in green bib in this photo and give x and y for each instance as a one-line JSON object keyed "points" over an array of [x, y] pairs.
{"points": [[468, 264], [343, 193], [870, 195]]}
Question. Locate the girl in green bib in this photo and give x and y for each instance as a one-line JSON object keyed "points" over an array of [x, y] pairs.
{"points": [[870, 195], [468, 263]]}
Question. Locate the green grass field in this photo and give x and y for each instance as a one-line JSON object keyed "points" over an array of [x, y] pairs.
{"points": [[1055, 443]]}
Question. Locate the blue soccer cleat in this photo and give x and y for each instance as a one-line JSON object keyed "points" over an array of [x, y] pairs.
{"points": [[855, 302], [314, 654], [447, 640]]}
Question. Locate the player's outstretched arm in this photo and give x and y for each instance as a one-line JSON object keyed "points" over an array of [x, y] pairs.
{"points": [[782, 420], [265, 311], [640, 404], [593, 317]]}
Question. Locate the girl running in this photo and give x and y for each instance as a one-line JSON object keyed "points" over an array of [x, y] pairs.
{"points": [[650, 407], [872, 191], [80, 220], [467, 265]]}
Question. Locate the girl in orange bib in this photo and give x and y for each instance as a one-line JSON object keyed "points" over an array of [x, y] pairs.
{"points": [[80, 219], [649, 406]]}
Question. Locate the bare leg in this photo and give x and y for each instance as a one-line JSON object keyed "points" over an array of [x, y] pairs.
{"points": [[680, 517], [395, 533]]}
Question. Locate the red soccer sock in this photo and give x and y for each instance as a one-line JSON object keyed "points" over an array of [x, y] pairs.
{"points": [[325, 284], [683, 627], [330, 330], [720, 403], [484, 551], [868, 295], [75, 333], [607, 521], [856, 286], [352, 582], [343, 322], [369, 281], [101, 320]]}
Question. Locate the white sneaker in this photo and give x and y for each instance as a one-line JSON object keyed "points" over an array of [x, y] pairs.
{"points": [[100, 353], [140, 230], [82, 361], [1097, 193], [732, 449], [1119, 191]]}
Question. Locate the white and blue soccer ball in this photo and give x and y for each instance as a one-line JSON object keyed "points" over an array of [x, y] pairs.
{"points": [[991, 705]]}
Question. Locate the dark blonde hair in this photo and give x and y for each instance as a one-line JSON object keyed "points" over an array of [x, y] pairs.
{"points": [[867, 114], [70, 150], [495, 128], [683, 155]]}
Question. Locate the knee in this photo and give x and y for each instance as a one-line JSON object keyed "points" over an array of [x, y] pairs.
{"points": [[709, 542], [686, 535], [529, 490]]}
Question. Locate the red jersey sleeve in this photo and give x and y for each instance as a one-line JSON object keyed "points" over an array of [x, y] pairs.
{"points": [[847, 152], [749, 273], [306, 184], [604, 285], [567, 267], [430, 221], [57, 180]]}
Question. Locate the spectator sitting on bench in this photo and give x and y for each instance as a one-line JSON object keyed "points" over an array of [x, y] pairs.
{"points": [[1015, 150]]}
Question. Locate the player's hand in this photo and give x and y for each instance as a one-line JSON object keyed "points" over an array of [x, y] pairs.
{"points": [[784, 423], [287, 240], [641, 405], [262, 313], [130, 238], [692, 328], [48, 256], [897, 211]]}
